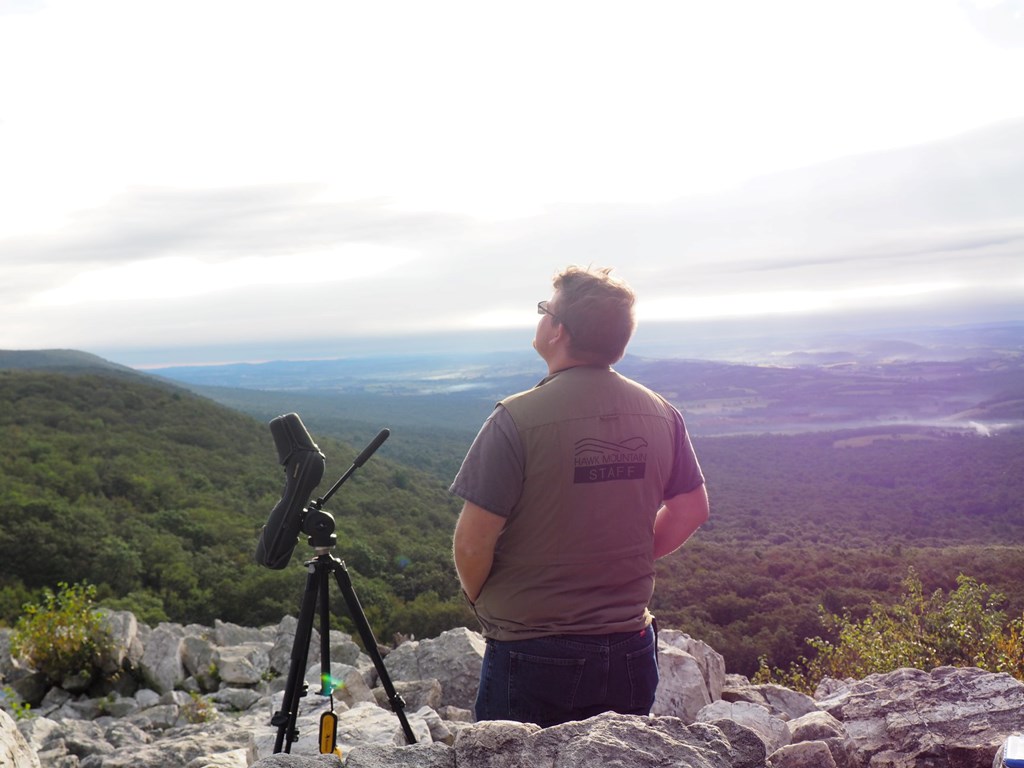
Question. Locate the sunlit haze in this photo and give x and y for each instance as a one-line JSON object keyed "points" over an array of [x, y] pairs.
{"points": [[181, 179]]}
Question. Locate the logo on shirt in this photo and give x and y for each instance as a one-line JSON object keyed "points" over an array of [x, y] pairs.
{"points": [[599, 461]]}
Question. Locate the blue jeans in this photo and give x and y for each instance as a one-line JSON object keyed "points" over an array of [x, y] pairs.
{"points": [[551, 680]]}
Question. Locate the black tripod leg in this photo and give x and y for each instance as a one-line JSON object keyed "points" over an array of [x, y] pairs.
{"points": [[355, 610], [326, 679], [285, 718]]}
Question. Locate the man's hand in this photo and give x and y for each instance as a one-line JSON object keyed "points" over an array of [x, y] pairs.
{"points": [[678, 519], [476, 534]]}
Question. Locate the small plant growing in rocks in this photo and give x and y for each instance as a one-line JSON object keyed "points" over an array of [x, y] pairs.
{"points": [[9, 702], [63, 636], [198, 710]]}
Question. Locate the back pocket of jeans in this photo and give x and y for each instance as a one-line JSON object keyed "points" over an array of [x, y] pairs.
{"points": [[542, 690], [642, 668]]}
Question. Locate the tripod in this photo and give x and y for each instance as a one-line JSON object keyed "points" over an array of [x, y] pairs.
{"points": [[319, 526]]}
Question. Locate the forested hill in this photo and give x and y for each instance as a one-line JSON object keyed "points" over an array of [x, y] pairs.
{"points": [[157, 496]]}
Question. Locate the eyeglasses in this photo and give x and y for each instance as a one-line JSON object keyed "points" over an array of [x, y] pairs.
{"points": [[542, 309]]}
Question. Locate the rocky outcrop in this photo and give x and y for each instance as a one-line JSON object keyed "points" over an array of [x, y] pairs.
{"points": [[203, 697], [15, 751], [909, 718]]}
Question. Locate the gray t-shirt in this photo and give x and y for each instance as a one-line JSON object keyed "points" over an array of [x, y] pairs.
{"points": [[491, 475]]}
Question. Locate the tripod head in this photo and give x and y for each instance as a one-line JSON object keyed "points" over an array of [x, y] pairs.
{"points": [[318, 524]]}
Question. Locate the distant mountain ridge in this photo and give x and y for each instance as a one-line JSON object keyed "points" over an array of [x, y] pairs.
{"points": [[66, 360], [884, 382]]}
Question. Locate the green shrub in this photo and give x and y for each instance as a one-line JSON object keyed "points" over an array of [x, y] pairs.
{"points": [[967, 628], [63, 636], [198, 710], [11, 703]]}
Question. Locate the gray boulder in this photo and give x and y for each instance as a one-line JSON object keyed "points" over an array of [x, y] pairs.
{"points": [[773, 731], [950, 716], [227, 634], [298, 761], [454, 658], [821, 727], [806, 754], [682, 691], [15, 751], [414, 756], [710, 662], [242, 665], [124, 649], [781, 702], [605, 740], [161, 665], [199, 657]]}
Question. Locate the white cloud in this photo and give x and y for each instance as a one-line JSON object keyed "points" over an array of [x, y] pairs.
{"points": [[178, 162], [177, 277]]}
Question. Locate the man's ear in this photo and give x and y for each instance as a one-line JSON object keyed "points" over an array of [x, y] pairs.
{"points": [[559, 333]]}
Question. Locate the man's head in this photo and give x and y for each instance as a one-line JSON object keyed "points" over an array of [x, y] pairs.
{"points": [[596, 311]]}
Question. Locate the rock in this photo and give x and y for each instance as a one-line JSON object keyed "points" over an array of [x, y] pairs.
{"points": [[815, 726], [85, 739], [770, 729], [284, 640], [40, 732], [161, 664], [124, 651], [235, 699], [439, 730], [180, 747], [710, 662], [123, 734], [295, 761], [349, 686], [239, 666], [236, 758], [414, 756], [226, 634], [498, 743], [369, 724], [807, 754], [344, 649], [415, 694], [682, 691], [606, 740], [15, 751], [8, 667], [747, 748], [781, 702], [147, 698], [30, 687], [54, 700], [198, 656], [122, 706], [949, 716], [821, 726], [454, 658]]}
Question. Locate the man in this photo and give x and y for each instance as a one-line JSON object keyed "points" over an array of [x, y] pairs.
{"points": [[572, 490]]}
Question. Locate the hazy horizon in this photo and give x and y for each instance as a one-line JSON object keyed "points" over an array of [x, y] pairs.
{"points": [[736, 341]]}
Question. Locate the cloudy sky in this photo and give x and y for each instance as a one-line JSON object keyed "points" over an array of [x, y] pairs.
{"points": [[186, 181]]}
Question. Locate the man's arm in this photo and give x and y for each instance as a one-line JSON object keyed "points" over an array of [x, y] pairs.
{"points": [[677, 520], [476, 534]]}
